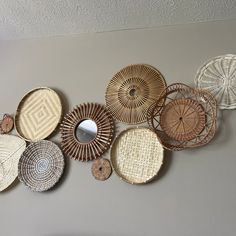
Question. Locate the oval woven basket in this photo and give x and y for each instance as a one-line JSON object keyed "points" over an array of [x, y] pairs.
{"points": [[38, 114], [218, 76], [132, 90], [41, 165], [137, 155], [11, 148]]}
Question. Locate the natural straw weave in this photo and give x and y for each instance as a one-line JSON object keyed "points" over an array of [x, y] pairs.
{"points": [[38, 114], [218, 76], [41, 165], [11, 148], [132, 90], [137, 155]]}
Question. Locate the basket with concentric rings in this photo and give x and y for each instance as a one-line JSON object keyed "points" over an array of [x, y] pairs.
{"points": [[41, 165]]}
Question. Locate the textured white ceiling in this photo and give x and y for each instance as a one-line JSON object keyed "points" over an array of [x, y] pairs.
{"points": [[40, 18]]}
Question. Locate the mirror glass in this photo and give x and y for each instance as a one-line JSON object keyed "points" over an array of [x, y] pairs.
{"points": [[86, 131]]}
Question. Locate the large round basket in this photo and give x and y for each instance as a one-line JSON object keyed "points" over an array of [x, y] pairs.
{"points": [[38, 114], [132, 90], [187, 118], [11, 148], [41, 165], [137, 155], [218, 76]]}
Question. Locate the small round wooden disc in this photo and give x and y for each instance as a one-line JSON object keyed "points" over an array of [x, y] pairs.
{"points": [[101, 169], [7, 124]]}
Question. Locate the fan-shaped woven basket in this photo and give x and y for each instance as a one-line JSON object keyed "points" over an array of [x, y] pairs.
{"points": [[38, 114], [41, 165], [137, 155], [187, 119], [72, 147], [218, 76], [132, 90], [11, 148]]}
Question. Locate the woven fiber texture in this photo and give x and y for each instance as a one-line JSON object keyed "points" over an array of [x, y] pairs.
{"points": [[218, 76], [186, 119], [11, 148], [101, 169], [132, 90], [72, 147], [182, 119], [137, 155], [41, 165], [38, 114]]}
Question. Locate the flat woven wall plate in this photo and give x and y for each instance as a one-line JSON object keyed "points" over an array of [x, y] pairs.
{"points": [[89, 150], [132, 90], [11, 148], [41, 165], [137, 155], [38, 114], [186, 119], [218, 76]]}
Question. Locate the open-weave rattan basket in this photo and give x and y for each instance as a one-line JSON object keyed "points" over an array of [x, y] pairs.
{"points": [[218, 76], [132, 90]]}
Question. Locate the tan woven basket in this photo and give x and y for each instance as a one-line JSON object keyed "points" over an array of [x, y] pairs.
{"points": [[11, 148], [132, 90], [38, 114], [137, 155], [187, 119]]}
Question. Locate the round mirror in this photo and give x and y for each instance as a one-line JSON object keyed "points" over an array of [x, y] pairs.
{"points": [[86, 131]]}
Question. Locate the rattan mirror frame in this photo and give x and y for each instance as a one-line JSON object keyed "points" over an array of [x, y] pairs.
{"points": [[77, 150]]}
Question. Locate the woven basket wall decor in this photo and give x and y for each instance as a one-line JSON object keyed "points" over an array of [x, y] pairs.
{"points": [[137, 155], [41, 165], [38, 114], [218, 76], [11, 148], [187, 119], [87, 151], [132, 90]]}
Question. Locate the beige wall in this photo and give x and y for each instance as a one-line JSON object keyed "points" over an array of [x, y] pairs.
{"points": [[196, 191]]}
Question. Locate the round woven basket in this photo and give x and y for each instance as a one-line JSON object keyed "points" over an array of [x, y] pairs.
{"points": [[11, 148], [218, 76], [41, 165], [132, 90], [38, 114], [187, 118], [137, 155]]}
